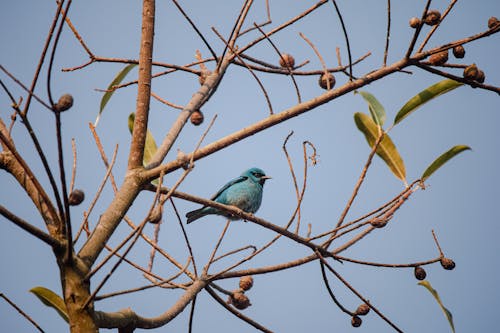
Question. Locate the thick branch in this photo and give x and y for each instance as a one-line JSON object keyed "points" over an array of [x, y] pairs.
{"points": [[128, 318], [144, 86]]}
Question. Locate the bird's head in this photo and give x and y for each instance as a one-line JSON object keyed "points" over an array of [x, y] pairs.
{"points": [[257, 175]]}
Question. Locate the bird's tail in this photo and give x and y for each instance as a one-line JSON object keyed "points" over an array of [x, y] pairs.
{"points": [[195, 214]]}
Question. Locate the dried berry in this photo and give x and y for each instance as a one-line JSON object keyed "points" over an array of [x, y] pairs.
{"points": [[65, 103], [414, 22], [155, 215], [420, 273], [439, 58], [76, 197], [378, 223], [326, 81], [432, 17], [287, 60], [239, 300], [447, 263], [356, 321], [493, 22], [246, 282], [459, 51], [480, 76], [471, 72], [196, 118], [363, 309]]}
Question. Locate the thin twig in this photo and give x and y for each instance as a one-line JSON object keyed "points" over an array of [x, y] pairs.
{"points": [[198, 32], [261, 85], [164, 101], [437, 244], [21, 312], [346, 38], [381, 315], [41, 60], [26, 226], [235, 312], [214, 251], [73, 169], [330, 291], [315, 49], [417, 30], [431, 32], [297, 91], [388, 33]]}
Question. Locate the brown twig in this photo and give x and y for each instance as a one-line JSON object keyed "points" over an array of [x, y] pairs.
{"points": [[261, 85], [73, 169], [214, 251], [268, 21], [297, 91], [164, 101], [235, 312], [388, 33], [21, 312], [107, 175], [330, 291], [417, 30], [431, 32], [346, 38], [41, 60], [198, 32], [323, 64], [26, 226], [437, 244], [338, 276]]}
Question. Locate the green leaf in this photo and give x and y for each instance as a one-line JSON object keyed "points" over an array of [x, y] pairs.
{"points": [[110, 91], [434, 293], [441, 160], [386, 149], [424, 96], [50, 298], [151, 147], [376, 109]]}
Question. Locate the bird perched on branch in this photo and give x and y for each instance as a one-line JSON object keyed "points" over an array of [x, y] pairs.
{"points": [[244, 192]]}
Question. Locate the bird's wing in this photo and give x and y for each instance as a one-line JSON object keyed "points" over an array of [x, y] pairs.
{"points": [[231, 183]]}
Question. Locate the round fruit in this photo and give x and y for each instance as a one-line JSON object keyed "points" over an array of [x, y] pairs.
{"points": [[197, 118]]}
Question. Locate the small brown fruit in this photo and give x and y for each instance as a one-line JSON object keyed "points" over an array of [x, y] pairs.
{"points": [[239, 300], [432, 17], [356, 321], [326, 81], [379, 223], [438, 59], [155, 215], [414, 22], [287, 60], [363, 309], [480, 76], [420, 273], [459, 51], [447, 263], [471, 72], [196, 118], [493, 22], [65, 103], [76, 197], [246, 282]]}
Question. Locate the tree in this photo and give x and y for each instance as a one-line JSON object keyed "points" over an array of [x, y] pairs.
{"points": [[126, 215]]}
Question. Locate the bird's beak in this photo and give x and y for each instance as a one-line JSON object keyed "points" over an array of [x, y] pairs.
{"points": [[265, 177]]}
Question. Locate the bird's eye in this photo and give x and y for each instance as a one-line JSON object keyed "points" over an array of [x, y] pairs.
{"points": [[258, 174]]}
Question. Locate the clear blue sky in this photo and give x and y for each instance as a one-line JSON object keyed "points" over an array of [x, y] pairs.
{"points": [[460, 203]]}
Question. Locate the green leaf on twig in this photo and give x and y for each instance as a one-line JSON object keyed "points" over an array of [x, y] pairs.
{"points": [[150, 146], [110, 91], [434, 293], [376, 109], [51, 299], [386, 149], [441, 160], [424, 96]]}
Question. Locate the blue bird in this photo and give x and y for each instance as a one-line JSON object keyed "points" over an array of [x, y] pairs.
{"points": [[244, 192]]}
